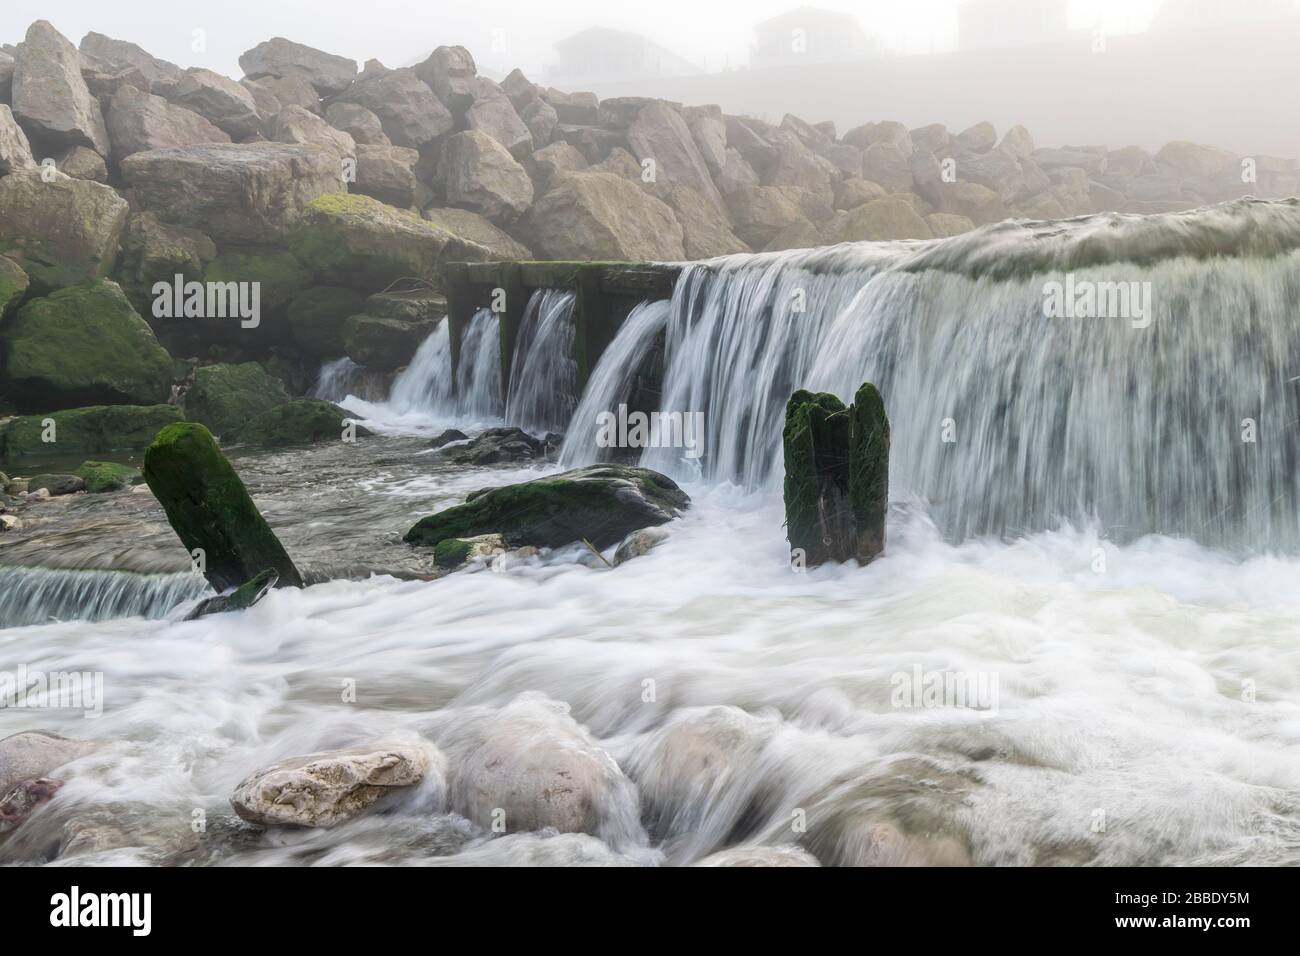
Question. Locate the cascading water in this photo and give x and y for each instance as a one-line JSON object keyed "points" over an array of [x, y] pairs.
{"points": [[1007, 421], [544, 371], [613, 382], [425, 384], [39, 595], [478, 373]]}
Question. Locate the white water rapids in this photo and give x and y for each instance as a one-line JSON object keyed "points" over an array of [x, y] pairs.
{"points": [[1092, 540]]}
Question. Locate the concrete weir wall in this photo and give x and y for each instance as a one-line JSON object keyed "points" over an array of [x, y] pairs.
{"points": [[606, 293]]}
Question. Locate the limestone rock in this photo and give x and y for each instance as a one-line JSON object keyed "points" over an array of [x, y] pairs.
{"points": [[759, 213], [293, 124], [274, 93], [50, 98], [470, 225], [358, 122], [138, 122], [157, 74], [979, 138], [220, 100], [595, 215], [449, 72], [34, 754], [639, 543], [317, 317], [15, 150], [411, 115], [659, 133], [709, 130], [878, 220], [760, 856], [944, 224], [493, 113], [541, 119], [579, 108], [705, 235], [549, 161], [887, 165], [481, 175], [1017, 142], [327, 73], [79, 162], [387, 173]]}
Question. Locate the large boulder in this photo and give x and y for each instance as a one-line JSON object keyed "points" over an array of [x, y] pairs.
{"points": [[13, 286], [138, 122], [15, 150], [1196, 161], [760, 213], [61, 230], [84, 344], [302, 421], [493, 113], [294, 124], [327, 73], [387, 173], [581, 108], [887, 165], [704, 233], [530, 766], [159, 75], [881, 219], [325, 789], [600, 504], [6, 76], [82, 162], [979, 138], [50, 98], [549, 161], [32, 754], [541, 119], [411, 115], [239, 193], [358, 122], [470, 225], [85, 431], [594, 215], [479, 174], [154, 251], [383, 342], [224, 396], [99, 477], [449, 72], [218, 99], [709, 130], [318, 315], [211, 511], [659, 133], [360, 242]]}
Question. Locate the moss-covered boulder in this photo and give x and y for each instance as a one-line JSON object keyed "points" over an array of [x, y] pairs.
{"points": [[818, 516], [102, 476], [13, 286], [82, 431], [83, 345], [359, 242], [600, 504], [836, 476], [279, 273], [240, 599], [317, 316], [224, 397], [869, 471], [154, 251], [211, 511], [299, 422], [454, 552]]}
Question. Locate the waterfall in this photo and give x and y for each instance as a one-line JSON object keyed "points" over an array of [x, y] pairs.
{"points": [[1006, 420], [425, 383], [478, 374], [544, 371], [39, 595], [614, 381]]}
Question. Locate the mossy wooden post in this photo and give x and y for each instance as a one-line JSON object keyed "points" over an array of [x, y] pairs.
{"points": [[460, 307], [210, 509], [818, 515], [869, 471]]}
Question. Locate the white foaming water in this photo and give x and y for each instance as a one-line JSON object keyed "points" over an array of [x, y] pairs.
{"points": [[1147, 689], [544, 372], [478, 373]]}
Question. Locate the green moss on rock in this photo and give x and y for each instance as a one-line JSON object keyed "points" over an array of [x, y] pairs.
{"points": [[13, 286], [600, 504], [240, 599], [451, 553], [869, 471], [210, 509], [817, 512], [299, 422], [80, 431], [83, 345], [227, 396], [101, 476], [279, 273]]}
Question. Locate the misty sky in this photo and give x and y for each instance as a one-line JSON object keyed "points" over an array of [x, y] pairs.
{"points": [[500, 33]]}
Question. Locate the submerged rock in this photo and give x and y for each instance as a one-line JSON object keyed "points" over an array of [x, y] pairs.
{"points": [[453, 552], [37, 753], [22, 798], [498, 445], [600, 504], [299, 422], [101, 476], [760, 856], [241, 599], [325, 789], [210, 509], [56, 484], [639, 543], [447, 437]]}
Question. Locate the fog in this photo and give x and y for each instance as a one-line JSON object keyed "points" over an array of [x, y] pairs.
{"points": [[1073, 71]]}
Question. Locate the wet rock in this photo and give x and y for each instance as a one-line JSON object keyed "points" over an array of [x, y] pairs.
{"points": [[84, 344], [298, 422], [50, 98], [79, 431], [601, 504], [530, 766], [498, 445], [21, 799], [358, 122], [362, 243], [481, 175], [446, 437], [977, 203], [592, 215], [760, 856], [210, 509], [103, 476], [383, 342], [318, 316], [819, 522], [328, 74], [13, 286], [454, 552], [15, 150], [410, 113], [544, 849], [240, 599], [225, 396], [240, 193], [869, 437], [475, 228], [639, 543], [34, 754], [56, 484], [326, 789], [387, 173], [944, 224], [61, 232]]}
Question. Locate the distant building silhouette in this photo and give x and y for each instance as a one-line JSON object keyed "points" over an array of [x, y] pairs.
{"points": [[996, 24], [599, 54], [1202, 14], [810, 35]]}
